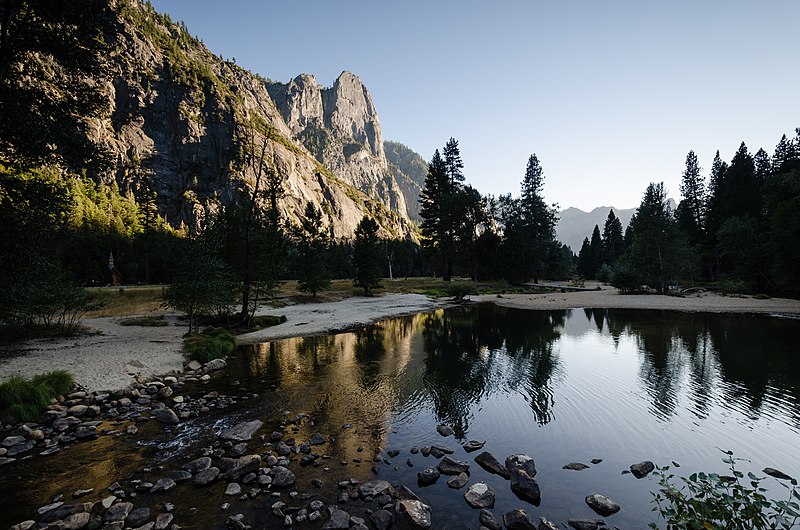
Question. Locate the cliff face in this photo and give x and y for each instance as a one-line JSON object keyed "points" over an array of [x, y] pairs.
{"points": [[409, 170], [340, 127], [185, 123]]}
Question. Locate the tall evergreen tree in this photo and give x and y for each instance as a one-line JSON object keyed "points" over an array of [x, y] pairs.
{"points": [[367, 256], [596, 249], [312, 268], [585, 261], [613, 242], [691, 211]]}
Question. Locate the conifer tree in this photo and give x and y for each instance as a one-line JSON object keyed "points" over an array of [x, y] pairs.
{"points": [[613, 242], [692, 208], [367, 258], [596, 250], [312, 267]]}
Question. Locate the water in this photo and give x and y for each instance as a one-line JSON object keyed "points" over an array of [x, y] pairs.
{"points": [[561, 386]]}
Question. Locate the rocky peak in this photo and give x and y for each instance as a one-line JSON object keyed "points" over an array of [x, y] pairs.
{"points": [[349, 111]]}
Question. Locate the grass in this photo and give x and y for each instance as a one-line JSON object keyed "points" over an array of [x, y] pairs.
{"points": [[26, 399], [211, 343], [145, 321], [125, 301]]}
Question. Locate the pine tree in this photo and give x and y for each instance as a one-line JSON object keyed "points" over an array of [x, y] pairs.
{"points": [[312, 267], [613, 242], [585, 259], [596, 250], [693, 206], [367, 258]]}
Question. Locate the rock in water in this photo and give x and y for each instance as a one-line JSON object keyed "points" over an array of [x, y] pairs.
{"points": [[451, 466], [521, 461], [215, 364], [488, 520], [428, 476], [771, 471], [459, 481], [206, 477], [473, 445], [517, 520], [138, 517], [382, 519], [373, 488], [416, 513], [488, 462], [586, 524], [525, 487], [242, 431], [165, 415], [340, 520], [544, 524], [642, 469], [445, 430], [197, 465], [602, 505], [575, 466], [479, 495]]}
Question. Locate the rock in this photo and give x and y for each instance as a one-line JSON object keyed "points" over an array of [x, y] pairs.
{"points": [[642, 469], [521, 461], [316, 439], [575, 466], [77, 410], [85, 431], [12, 440], [233, 488], [518, 520], [428, 476], [22, 447], [24, 525], [165, 392], [415, 513], [48, 507], [444, 430], [488, 462], [80, 493], [163, 484], [382, 519], [602, 505], [165, 415], [451, 466], [479, 495], [544, 524], [282, 449], [206, 477], [5, 460], [138, 517], [236, 522], [473, 445], [282, 477], [76, 521], [488, 520], [459, 481], [586, 524], [373, 488], [241, 432], [438, 451], [162, 521], [238, 449], [392, 453], [193, 365], [243, 465], [118, 512], [215, 364], [525, 486], [771, 471], [596, 460], [339, 520], [36, 435], [197, 465]]}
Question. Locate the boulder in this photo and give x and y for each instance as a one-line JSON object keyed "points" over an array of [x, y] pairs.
{"points": [[525, 487], [373, 488], [488, 462], [428, 476], [518, 520], [416, 513], [602, 505], [479, 495], [242, 432], [451, 466]]}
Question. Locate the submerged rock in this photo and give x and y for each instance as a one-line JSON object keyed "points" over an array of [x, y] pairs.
{"points": [[642, 469], [428, 476], [586, 524], [445, 430], [517, 520], [242, 432], [602, 505], [458, 481], [488, 462], [488, 520], [525, 486], [451, 466], [575, 466], [473, 445]]}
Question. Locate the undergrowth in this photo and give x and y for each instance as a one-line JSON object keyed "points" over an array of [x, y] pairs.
{"points": [[26, 399], [211, 343]]}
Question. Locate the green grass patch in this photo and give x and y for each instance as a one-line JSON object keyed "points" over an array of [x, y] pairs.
{"points": [[144, 321], [267, 321], [762, 296], [26, 399], [211, 343]]}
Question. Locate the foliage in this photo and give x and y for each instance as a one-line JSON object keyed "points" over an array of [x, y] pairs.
{"points": [[458, 290], [144, 321], [367, 258], [312, 267], [211, 343], [605, 273], [28, 398], [626, 277], [723, 502]]}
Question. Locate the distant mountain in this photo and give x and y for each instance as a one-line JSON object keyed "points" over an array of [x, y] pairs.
{"points": [[574, 225], [409, 170]]}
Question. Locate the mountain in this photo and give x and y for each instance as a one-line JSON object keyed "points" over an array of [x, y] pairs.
{"points": [[409, 170], [574, 225], [175, 119]]}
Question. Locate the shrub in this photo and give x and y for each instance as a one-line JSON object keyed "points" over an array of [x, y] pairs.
{"points": [[211, 343], [266, 321], [718, 502], [144, 321], [26, 399], [604, 274], [627, 278], [458, 290]]}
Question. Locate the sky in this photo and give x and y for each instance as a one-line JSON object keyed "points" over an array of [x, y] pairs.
{"points": [[610, 95]]}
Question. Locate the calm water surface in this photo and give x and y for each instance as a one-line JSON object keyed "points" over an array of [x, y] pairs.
{"points": [[561, 386]]}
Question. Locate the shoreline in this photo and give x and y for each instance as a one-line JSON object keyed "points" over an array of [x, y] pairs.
{"points": [[112, 357]]}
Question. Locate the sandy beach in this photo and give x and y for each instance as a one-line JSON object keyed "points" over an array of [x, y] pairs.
{"points": [[113, 355]]}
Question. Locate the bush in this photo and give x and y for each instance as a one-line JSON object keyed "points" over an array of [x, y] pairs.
{"points": [[211, 343], [627, 278], [144, 321], [604, 274], [458, 290], [718, 502], [26, 399]]}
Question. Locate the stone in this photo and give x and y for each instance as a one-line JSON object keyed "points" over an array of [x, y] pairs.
{"points": [[162, 521], [459, 481], [521, 461], [118, 512], [642, 469], [138, 517], [193, 365], [76, 521], [392, 453], [771, 471], [445, 430], [22, 447], [316, 439], [241, 432], [596, 460], [180, 476], [215, 364], [602, 505], [488, 520], [428, 476], [488, 462], [416, 513], [473, 445], [373, 488], [80, 493], [197, 465], [451, 466], [518, 520], [282, 477], [479, 495], [339, 520], [233, 488], [206, 477], [48, 507], [85, 431], [5, 460], [243, 465], [438, 451], [165, 415], [238, 449], [12, 440], [382, 519], [575, 466], [36, 435], [77, 410], [282, 449], [24, 525], [586, 524], [525, 487], [163, 484]]}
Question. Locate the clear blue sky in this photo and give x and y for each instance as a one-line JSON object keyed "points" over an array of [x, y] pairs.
{"points": [[610, 95]]}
